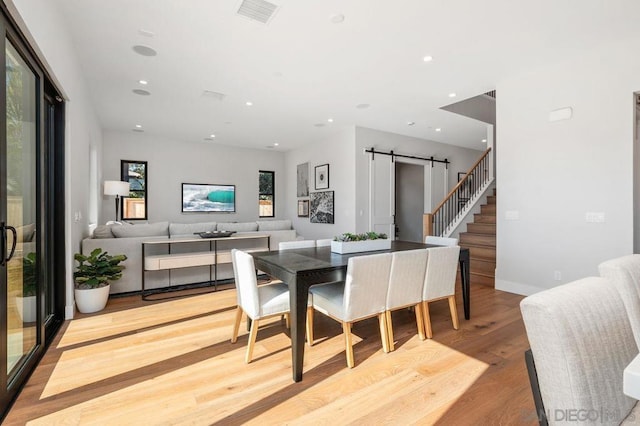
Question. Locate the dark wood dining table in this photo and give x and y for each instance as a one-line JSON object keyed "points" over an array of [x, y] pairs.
{"points": [[302, 268]]}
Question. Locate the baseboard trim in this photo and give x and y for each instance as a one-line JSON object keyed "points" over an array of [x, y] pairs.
{"points": [[517, 288], [69, 312]]}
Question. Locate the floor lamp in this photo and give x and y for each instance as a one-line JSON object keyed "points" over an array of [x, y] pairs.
{"points": [[117, 188]]}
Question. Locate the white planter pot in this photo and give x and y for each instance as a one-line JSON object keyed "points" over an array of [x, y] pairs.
{"points": [[92, 299], [359, 246], [26, 308]]}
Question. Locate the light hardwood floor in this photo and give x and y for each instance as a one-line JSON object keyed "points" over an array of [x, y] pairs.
{"points": [[172, 362]]}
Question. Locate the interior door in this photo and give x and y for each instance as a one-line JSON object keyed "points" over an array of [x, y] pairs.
{"points": [[410, 194], [382, 194]]}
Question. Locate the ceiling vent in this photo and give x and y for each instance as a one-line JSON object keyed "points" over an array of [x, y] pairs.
{"points": [[258, 10], [491, 94]]}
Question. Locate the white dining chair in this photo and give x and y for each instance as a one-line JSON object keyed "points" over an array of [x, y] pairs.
{"points": [[362, 295], [288, 245], [406, 283], [440, 282], [324, 242], [257, 302], [440, 241]]}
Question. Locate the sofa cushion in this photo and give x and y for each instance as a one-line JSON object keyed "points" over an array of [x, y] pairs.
{"points": [[238, 227], [273, 225], [191, 228], [145, 230], [26, 232], [581, 341]]}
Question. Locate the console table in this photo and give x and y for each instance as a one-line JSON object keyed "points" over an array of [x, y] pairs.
{"points": [[213, 257]]}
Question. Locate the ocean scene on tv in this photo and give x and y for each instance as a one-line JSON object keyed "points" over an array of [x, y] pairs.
{"points": [[208, 198]]}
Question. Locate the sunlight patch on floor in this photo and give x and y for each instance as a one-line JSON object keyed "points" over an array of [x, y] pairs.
{"points": [[196, 394], [114, 323], [91, 363]]}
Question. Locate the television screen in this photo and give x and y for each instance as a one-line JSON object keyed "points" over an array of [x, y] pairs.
{"points": [[204, 198]]}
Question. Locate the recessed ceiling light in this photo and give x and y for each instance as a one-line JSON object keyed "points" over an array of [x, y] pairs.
{"points": [[363, 106], [428, 58], [484, 141], [330, 120], [411, 123], [276, 144], [138, 126], [337, 18], [141, 92], [452, 95], [212, 136], [138, 130], [143, 82], [438, 129], [249, 103], [208, 139], [144, 50]]}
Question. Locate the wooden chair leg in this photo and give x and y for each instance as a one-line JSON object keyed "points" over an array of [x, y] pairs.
{"points": [[252, 340], [346, 329], [420, 321], [387, 340], [310, 325], [287, 320], [454, 312], [236, 325], [427, 320]]}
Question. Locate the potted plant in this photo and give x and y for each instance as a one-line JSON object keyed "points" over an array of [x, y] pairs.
{"points": [[354, 243], [26, 303], [92, 279]]}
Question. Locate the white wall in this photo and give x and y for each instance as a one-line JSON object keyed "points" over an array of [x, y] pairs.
{"points": [[172, 162], [552, 173], [338, 152], [46, 31], [461, 160]]}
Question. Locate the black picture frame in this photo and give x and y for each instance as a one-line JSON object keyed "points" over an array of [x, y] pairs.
{"points": [[322, 176], [196, 198], [303, 208]]}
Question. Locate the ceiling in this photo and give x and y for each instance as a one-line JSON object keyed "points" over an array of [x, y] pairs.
{"points": [[301, 69]]}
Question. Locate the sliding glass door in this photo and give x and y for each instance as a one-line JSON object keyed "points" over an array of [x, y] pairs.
{"points": [[31, 213], [21, 254]]}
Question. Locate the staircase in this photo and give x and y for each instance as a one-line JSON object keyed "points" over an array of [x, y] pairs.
{"points": [[480, 239]]}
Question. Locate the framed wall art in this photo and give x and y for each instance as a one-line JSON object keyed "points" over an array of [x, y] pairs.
{"points": [[302, 180], [322, 176], [303, 208], [322, 207]]}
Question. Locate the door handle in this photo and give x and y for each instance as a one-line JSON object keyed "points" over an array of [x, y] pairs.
{"points": [[3, 243], [13, 243]]}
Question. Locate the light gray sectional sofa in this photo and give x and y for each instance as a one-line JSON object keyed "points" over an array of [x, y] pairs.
{"points": [[127, 239]]}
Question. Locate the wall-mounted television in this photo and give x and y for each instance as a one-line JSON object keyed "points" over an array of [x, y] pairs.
{"points": [[207, 198]]}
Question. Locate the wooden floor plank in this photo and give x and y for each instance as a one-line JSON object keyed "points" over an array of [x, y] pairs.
{"points": [[171, 362]]}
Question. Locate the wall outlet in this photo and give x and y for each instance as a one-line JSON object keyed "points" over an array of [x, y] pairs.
{"points": [[557, 275], [594, 217]]}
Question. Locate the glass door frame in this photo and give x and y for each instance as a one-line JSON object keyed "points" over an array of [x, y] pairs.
{"points": [[50, 210]]}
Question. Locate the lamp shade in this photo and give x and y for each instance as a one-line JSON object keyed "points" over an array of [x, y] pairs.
{"points": [[116, 187]]}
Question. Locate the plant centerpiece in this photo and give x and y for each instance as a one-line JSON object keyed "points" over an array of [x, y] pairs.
{"points": [[92, 278], [26, 303], [354, 243]]}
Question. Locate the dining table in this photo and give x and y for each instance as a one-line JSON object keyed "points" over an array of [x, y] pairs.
{"points": [[302, 268]]}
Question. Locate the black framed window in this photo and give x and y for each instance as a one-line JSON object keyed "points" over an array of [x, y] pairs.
{"points": [[266, 199], [136, 173]]}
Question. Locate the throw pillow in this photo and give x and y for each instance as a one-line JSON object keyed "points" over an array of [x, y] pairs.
{"points": [[159, 229], [274, 225], [238, 227]]}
